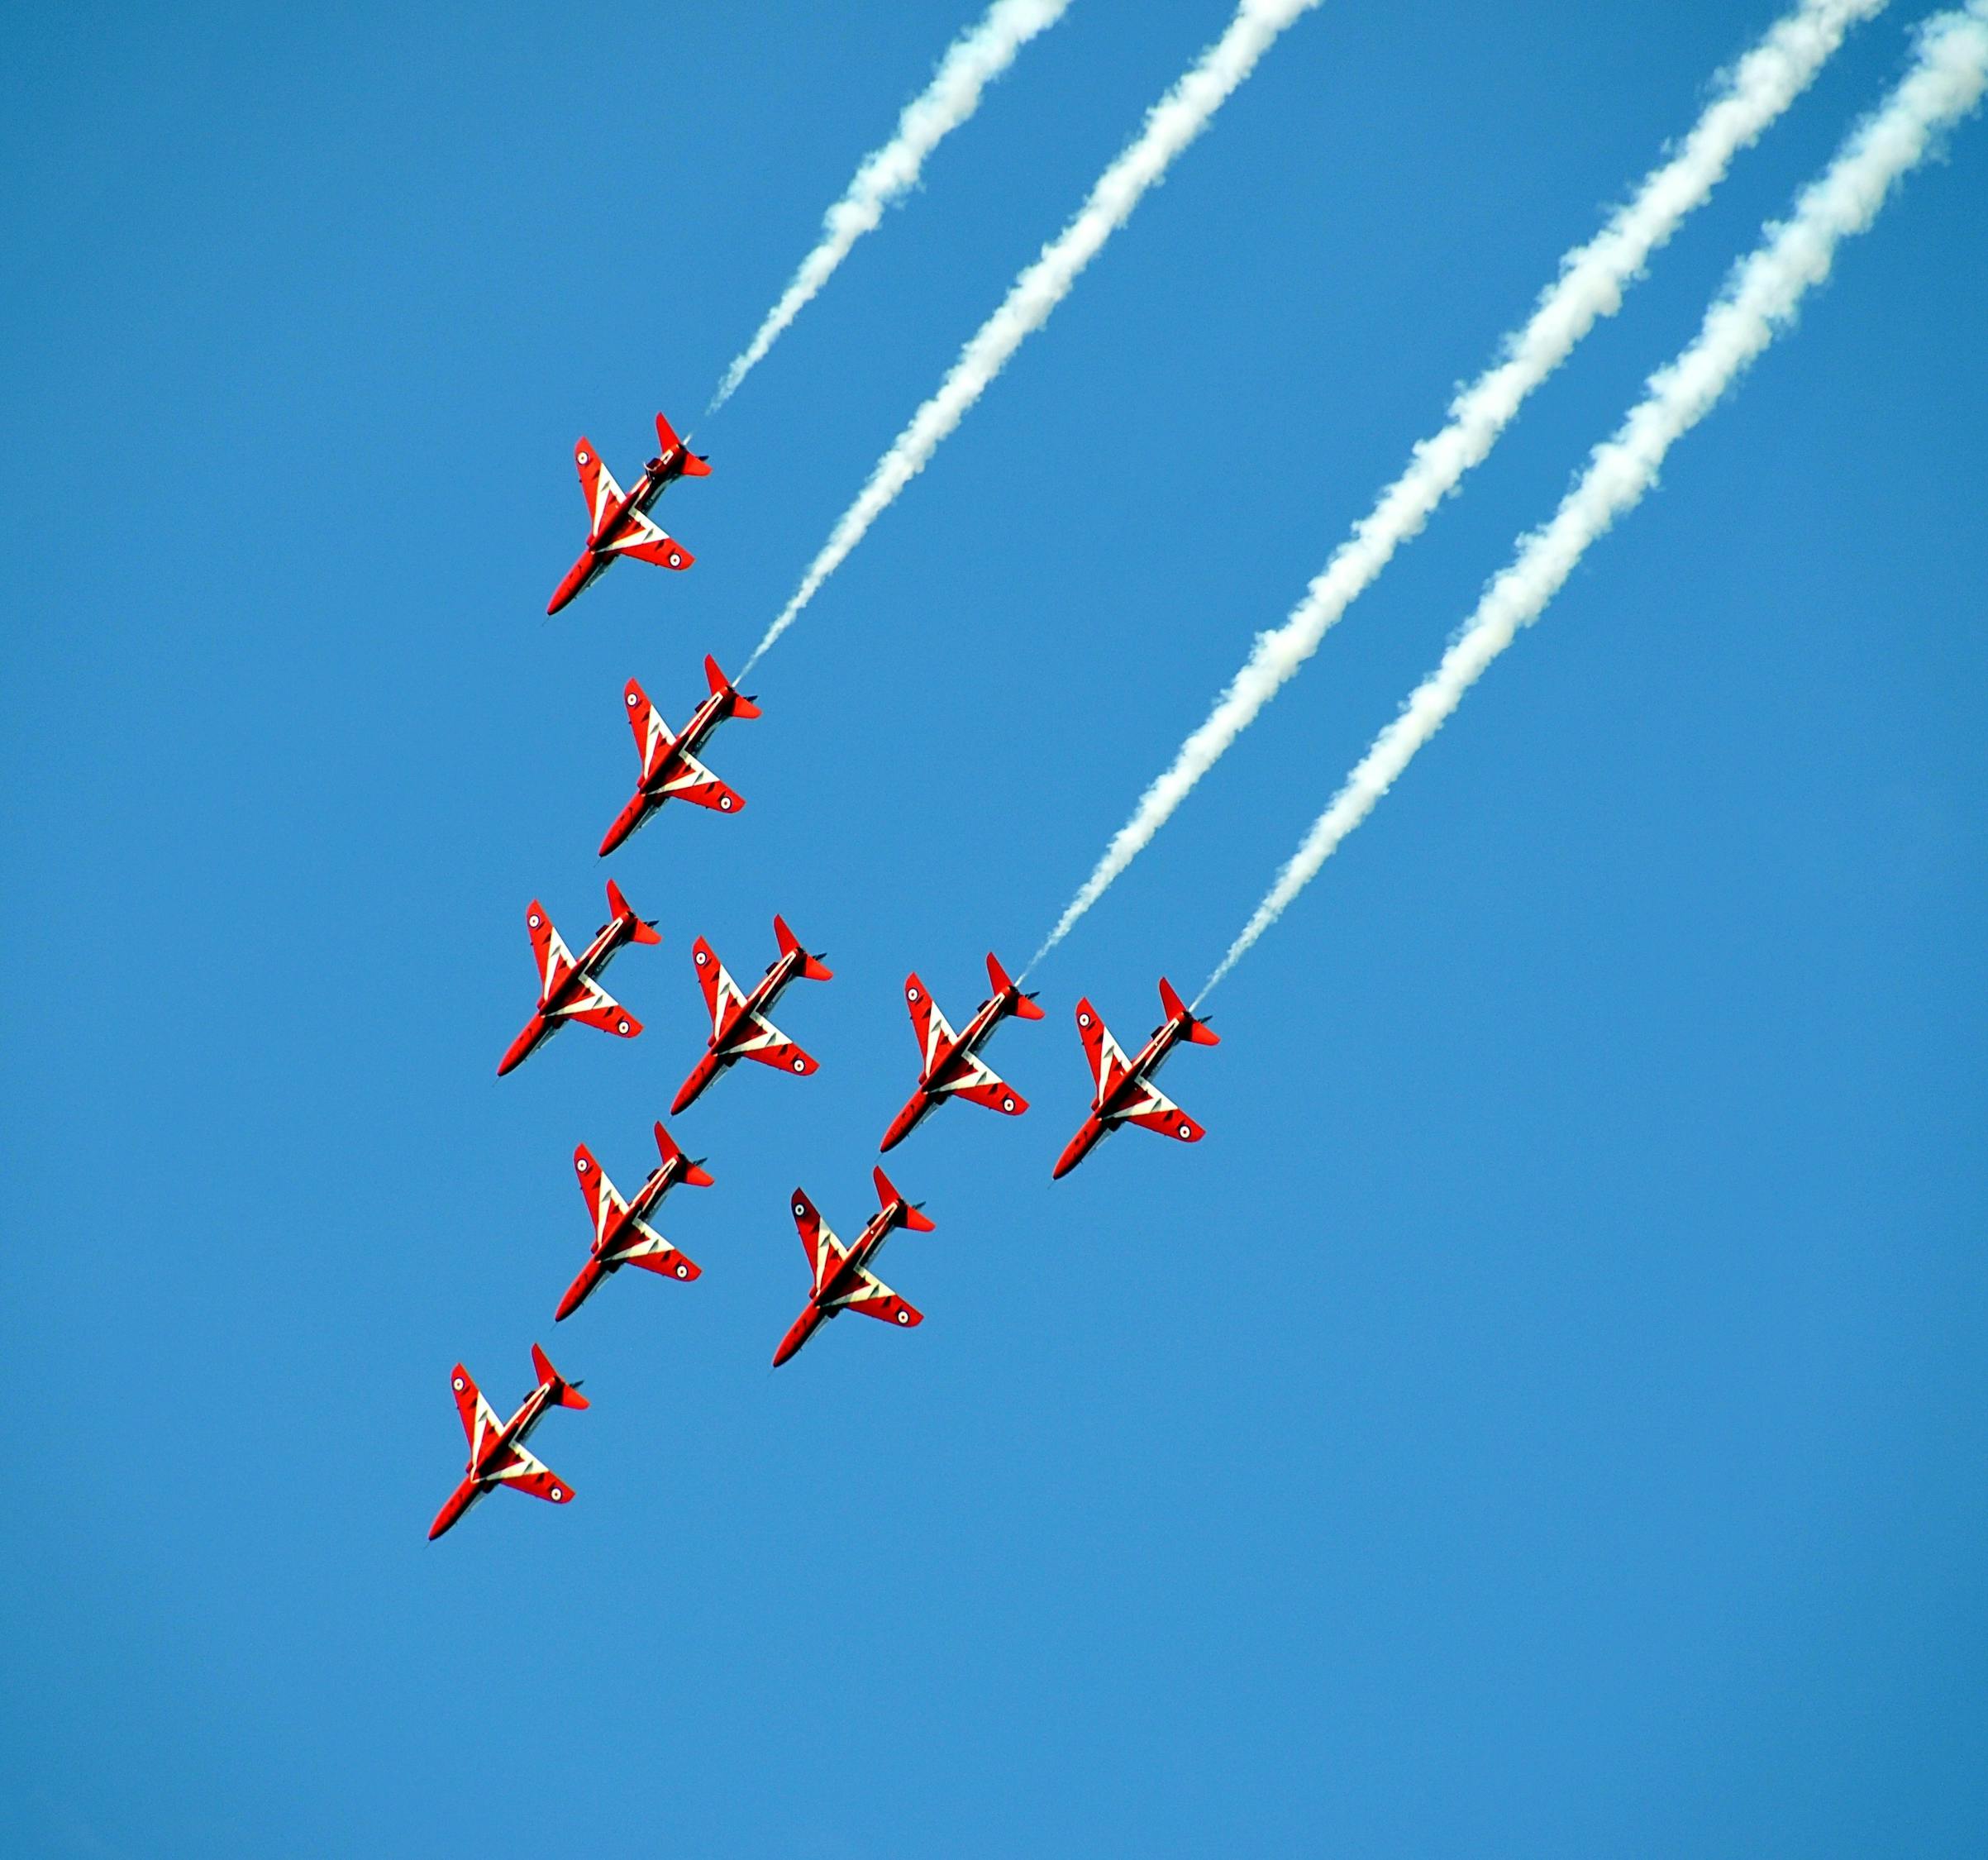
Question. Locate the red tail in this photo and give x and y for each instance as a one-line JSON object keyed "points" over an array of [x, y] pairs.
{"points": [[886, 1194], [811, 966], [1198, 1030], [1024, 1006], [666, 439], [618, 907], [667, 1147], [563, 1391], [720, 685]]}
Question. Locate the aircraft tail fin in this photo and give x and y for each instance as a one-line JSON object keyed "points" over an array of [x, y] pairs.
{"points": [[812, 966], [566, 1393], [668, 1149], [666, 439], [1198, 1030], [741, 705], [1025, 1005], [887, 1195], [640, 930]]}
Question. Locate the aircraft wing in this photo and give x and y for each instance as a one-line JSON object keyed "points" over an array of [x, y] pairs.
{"points": [[522, 1473], [756, 1037], [988, 1087], [694, 783], [647, 542], [554, 959], [874, 1298], [604, 1201], [1109, 1064], [649, 1250], [594, 1006], [1155, 1111], [825, 1252], [480, 1419], [597, 485], [652, 735], [926, 1021], [722, 999]]}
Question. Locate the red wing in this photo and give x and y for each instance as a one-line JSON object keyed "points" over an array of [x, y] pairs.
{"points": [[597, 485], [652, 734], [721, 996], [555, 960], [479, 1419], [926, 1021], [604, 1199], [667, 1260], [874, 1298], [608, 1015], [762, 1040], [645, 542], [817, 1238], [1108, 1060], [694, 783], [1169, 1119], [522, 1473], [995, 1093]]}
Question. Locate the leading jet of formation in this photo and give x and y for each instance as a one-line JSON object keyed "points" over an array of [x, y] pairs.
{"points": [[950, 1067], [739, 1027], [568, 988], [497, 1448], [842, 1279], [671, 769], [1125, 1093], [618, 520], [621, 1233]]}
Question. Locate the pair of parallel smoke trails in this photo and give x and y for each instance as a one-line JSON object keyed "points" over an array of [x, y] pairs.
{"points": [[1758, 300]]}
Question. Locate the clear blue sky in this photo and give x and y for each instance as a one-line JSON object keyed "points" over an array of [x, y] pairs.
{"points": [[1544, 1418]]}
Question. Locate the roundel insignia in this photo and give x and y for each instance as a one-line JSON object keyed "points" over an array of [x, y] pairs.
{"points": [[583, 458], [701, 959], [535, 920], [632, 700], [620, 1027], [558, 1496], [1008, 1103], [676, 560], [683, 1271], [903, 1317], [800, 1065], [459, 1385], [800, 1209], [1187, 1130], [1083, 1020], [725, 803], [911, 994], [582, 1166]]}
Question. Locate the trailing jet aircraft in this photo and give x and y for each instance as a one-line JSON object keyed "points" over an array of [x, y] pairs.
{"points": [[618, 520], [621, 1233], [739, 1027], [570, 989], [950, 1067], [1125, 1093], [497, 1448], [671, 769], [842, 1279]]}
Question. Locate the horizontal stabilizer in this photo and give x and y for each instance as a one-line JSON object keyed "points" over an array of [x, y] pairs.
{"points": [[564, 1392], [1198, 1030], [811, 967]]}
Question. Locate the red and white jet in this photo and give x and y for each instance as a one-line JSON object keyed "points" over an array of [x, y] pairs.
{"points": [[570, 989], [739, 1027], [618, 520], [1125, 1093], [671, 769], [497, 1448], [842, 1279], [950, 1067], [621, 1233]]}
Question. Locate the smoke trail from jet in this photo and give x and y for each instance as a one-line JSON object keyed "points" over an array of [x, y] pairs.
{"points": [[1758, 301], [1172, 123], [1750, 97], [972, 62]]}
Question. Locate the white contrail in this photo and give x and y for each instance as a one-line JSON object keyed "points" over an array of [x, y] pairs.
{"points": [[1758, 301], [972, 62], [1171, 124], [1749, 97]]}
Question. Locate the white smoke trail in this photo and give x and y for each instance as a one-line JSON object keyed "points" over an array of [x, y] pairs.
{"points": [[972, 62], [1751, 96], [1758, 301], [1171, 124]]}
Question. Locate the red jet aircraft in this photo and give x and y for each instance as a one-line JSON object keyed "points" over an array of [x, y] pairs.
{"points": [[671, 769], [739, 1027], [842, 1279], [1125, 1093], [497, 1448], [949, 1066], [621, 1233], [567, 989], [618, 520]]}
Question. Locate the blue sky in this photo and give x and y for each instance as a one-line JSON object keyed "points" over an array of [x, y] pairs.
{"points": [[1546, 1417]]}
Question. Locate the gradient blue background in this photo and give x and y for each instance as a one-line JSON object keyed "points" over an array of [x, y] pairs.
{"points": [[1544, 1418]]}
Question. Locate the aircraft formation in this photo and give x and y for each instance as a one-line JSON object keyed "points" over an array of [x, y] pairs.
{"points": [[841, 1274]]}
